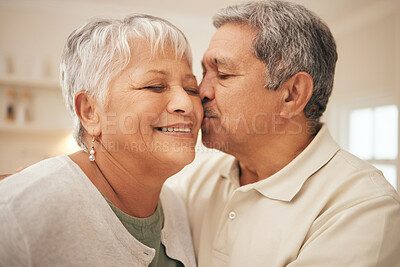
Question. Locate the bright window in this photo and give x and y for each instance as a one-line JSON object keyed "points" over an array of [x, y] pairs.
{"points": [[373, 136], [362, 133], [385, 139]]}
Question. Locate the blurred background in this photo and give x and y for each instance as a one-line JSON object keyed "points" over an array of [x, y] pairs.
{"points": [[34, 124]]}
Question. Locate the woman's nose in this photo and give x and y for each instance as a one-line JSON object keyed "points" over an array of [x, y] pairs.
{"points": [[180, 102]]}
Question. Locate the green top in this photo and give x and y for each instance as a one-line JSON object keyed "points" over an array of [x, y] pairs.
{"points": [[148, 232]]}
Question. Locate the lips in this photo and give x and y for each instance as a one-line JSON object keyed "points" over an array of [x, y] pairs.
{"points": [[178, 129], [175, 129], [208, 113]]}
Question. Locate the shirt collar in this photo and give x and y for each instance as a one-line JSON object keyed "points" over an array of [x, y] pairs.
{"points": [[286, 183], [230, 170]]}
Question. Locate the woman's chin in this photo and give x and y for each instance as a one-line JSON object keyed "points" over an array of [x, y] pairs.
{"points": [[179, 160], [184, 159]]}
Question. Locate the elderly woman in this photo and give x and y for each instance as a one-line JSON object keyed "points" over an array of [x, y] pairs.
{"points": [[136, 111]]}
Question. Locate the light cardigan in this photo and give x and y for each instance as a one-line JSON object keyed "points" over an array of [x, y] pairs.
{"points": [[52, 215]]}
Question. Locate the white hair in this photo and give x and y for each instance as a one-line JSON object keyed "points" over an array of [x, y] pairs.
{"points": [[98, 50]]}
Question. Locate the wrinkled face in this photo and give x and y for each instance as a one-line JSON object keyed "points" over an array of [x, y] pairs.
{"points": [[154, 110], [237, 107]]}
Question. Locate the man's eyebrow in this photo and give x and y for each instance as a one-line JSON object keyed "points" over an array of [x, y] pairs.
{"points": [[222, 62]]}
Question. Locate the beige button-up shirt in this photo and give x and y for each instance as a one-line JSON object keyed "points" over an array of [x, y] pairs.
{"points": [[325, 208]]}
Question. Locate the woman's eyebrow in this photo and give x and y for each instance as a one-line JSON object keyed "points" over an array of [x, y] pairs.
{"points": [[190, 76], [158, 72], [187, 76]]}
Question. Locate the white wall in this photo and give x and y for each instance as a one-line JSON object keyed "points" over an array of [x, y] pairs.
{"points": [[32, 37], [368, 66], [368, 69], [33, 33]]}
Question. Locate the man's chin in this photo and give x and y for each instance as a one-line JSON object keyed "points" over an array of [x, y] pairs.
{"points": [[214, 144]]}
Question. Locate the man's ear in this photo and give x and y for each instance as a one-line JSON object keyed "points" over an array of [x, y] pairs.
{"points": [[298, 91], [86, 108]]}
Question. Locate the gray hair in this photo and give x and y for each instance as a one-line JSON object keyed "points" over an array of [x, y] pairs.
{"points": [[98, 50], [289, 39]]}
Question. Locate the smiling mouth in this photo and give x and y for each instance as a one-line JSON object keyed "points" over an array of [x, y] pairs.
{"points": [[174, 129]]}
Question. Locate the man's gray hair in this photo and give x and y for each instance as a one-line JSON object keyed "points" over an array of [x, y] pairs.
{"points": [[289, 39], [98, 50]]}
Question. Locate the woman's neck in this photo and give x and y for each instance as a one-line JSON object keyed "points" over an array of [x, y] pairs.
{"points": [[135, 192]]}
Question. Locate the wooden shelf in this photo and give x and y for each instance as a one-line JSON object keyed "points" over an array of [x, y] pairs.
{"points": [[45, 94], [31, 128], [18, 81]]}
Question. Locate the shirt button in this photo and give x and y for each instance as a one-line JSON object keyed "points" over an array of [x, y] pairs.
{"points": [[232, 215]]}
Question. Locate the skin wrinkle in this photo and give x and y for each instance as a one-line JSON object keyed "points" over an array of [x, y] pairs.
{"points": [[283, 42], [109, 38], [130, 174], [230, 110]]}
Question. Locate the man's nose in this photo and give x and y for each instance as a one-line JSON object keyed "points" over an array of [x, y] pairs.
{"points": [[206, 90]]}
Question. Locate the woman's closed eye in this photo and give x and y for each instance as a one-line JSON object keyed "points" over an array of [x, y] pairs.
{"points": [[192, 91], [155, 88]]}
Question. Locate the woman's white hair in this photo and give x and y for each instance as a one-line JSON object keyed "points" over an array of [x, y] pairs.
{"points": [[98, 50]]}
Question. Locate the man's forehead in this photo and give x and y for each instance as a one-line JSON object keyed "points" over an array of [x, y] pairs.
{"points": [[220, 58], [229, 45]]}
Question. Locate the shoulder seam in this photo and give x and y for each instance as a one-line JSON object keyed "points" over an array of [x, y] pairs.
{"points": [[348, 160], [35, 182], [381, 189], [351, 205]]}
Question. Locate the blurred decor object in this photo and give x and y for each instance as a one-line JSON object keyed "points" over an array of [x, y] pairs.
{"points": [[10, 106], [23, 113]]}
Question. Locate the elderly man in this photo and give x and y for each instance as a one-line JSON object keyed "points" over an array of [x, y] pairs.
{"points": [[287, 194]]}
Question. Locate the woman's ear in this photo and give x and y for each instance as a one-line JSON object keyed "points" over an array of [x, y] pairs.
{"points": [[86, 109], [298, 91]]}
